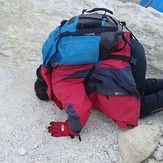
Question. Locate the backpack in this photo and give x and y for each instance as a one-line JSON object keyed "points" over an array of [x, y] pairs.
{"points": [[83, 39]]}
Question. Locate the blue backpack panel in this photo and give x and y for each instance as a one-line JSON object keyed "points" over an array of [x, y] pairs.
{"points": [[83, 39]]}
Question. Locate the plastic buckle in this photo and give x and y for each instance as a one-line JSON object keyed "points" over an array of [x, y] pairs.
{"points": [[133, 61], [55, 64], [84, 10]]}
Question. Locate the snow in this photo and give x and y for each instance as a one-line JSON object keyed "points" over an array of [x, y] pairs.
{"points": [[24, 119]]}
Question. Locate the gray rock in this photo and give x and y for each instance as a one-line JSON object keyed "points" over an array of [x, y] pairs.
{"points": [[151, 160], [2, 157], [112, 155], [160, 149], [161, 142], [149, 122], [139, 143], [158, 155], [35, 146], [22, 151], [157, 147], [161, 130]]}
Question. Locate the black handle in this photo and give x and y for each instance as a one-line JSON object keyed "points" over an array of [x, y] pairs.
{"points": [[97, 9]]}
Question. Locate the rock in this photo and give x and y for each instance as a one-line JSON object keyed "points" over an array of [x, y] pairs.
{"points": [[161, 142], [158, 155], [160, 149], [151, 161], [149, 122], [2, 157], [112, 155], [22, 151], [35, 146], [139, 143], [161, 129], [25, 25], [157, 147]]}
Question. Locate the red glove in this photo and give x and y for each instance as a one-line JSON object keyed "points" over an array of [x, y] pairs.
{"points": [[58, 129]]}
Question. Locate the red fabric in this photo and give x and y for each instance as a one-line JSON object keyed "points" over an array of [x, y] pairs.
{"points": [[72, 92], [68, 92], [46, 74], [122, 109], [114, 63], [58, 129]]}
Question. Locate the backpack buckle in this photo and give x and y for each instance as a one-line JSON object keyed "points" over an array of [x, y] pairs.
{"points": [[55, 64], [133, 61], [84, 10]]}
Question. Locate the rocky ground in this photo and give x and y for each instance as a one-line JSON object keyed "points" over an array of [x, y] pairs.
{"points": [[24, 119]]}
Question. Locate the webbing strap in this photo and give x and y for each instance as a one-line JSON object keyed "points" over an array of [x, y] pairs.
{"points": [[121, 57], [86, 79], [88, 31], [127, 59]]}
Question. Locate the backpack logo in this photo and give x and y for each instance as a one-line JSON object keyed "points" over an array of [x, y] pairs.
{"points": [[62, 128], [89, 34], [118, 93]]}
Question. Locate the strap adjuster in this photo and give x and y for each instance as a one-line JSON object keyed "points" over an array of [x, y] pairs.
{"points": [[133, 61]]}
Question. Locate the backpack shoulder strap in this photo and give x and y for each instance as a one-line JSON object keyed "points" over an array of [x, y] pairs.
{"points": [[128, 59]]}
